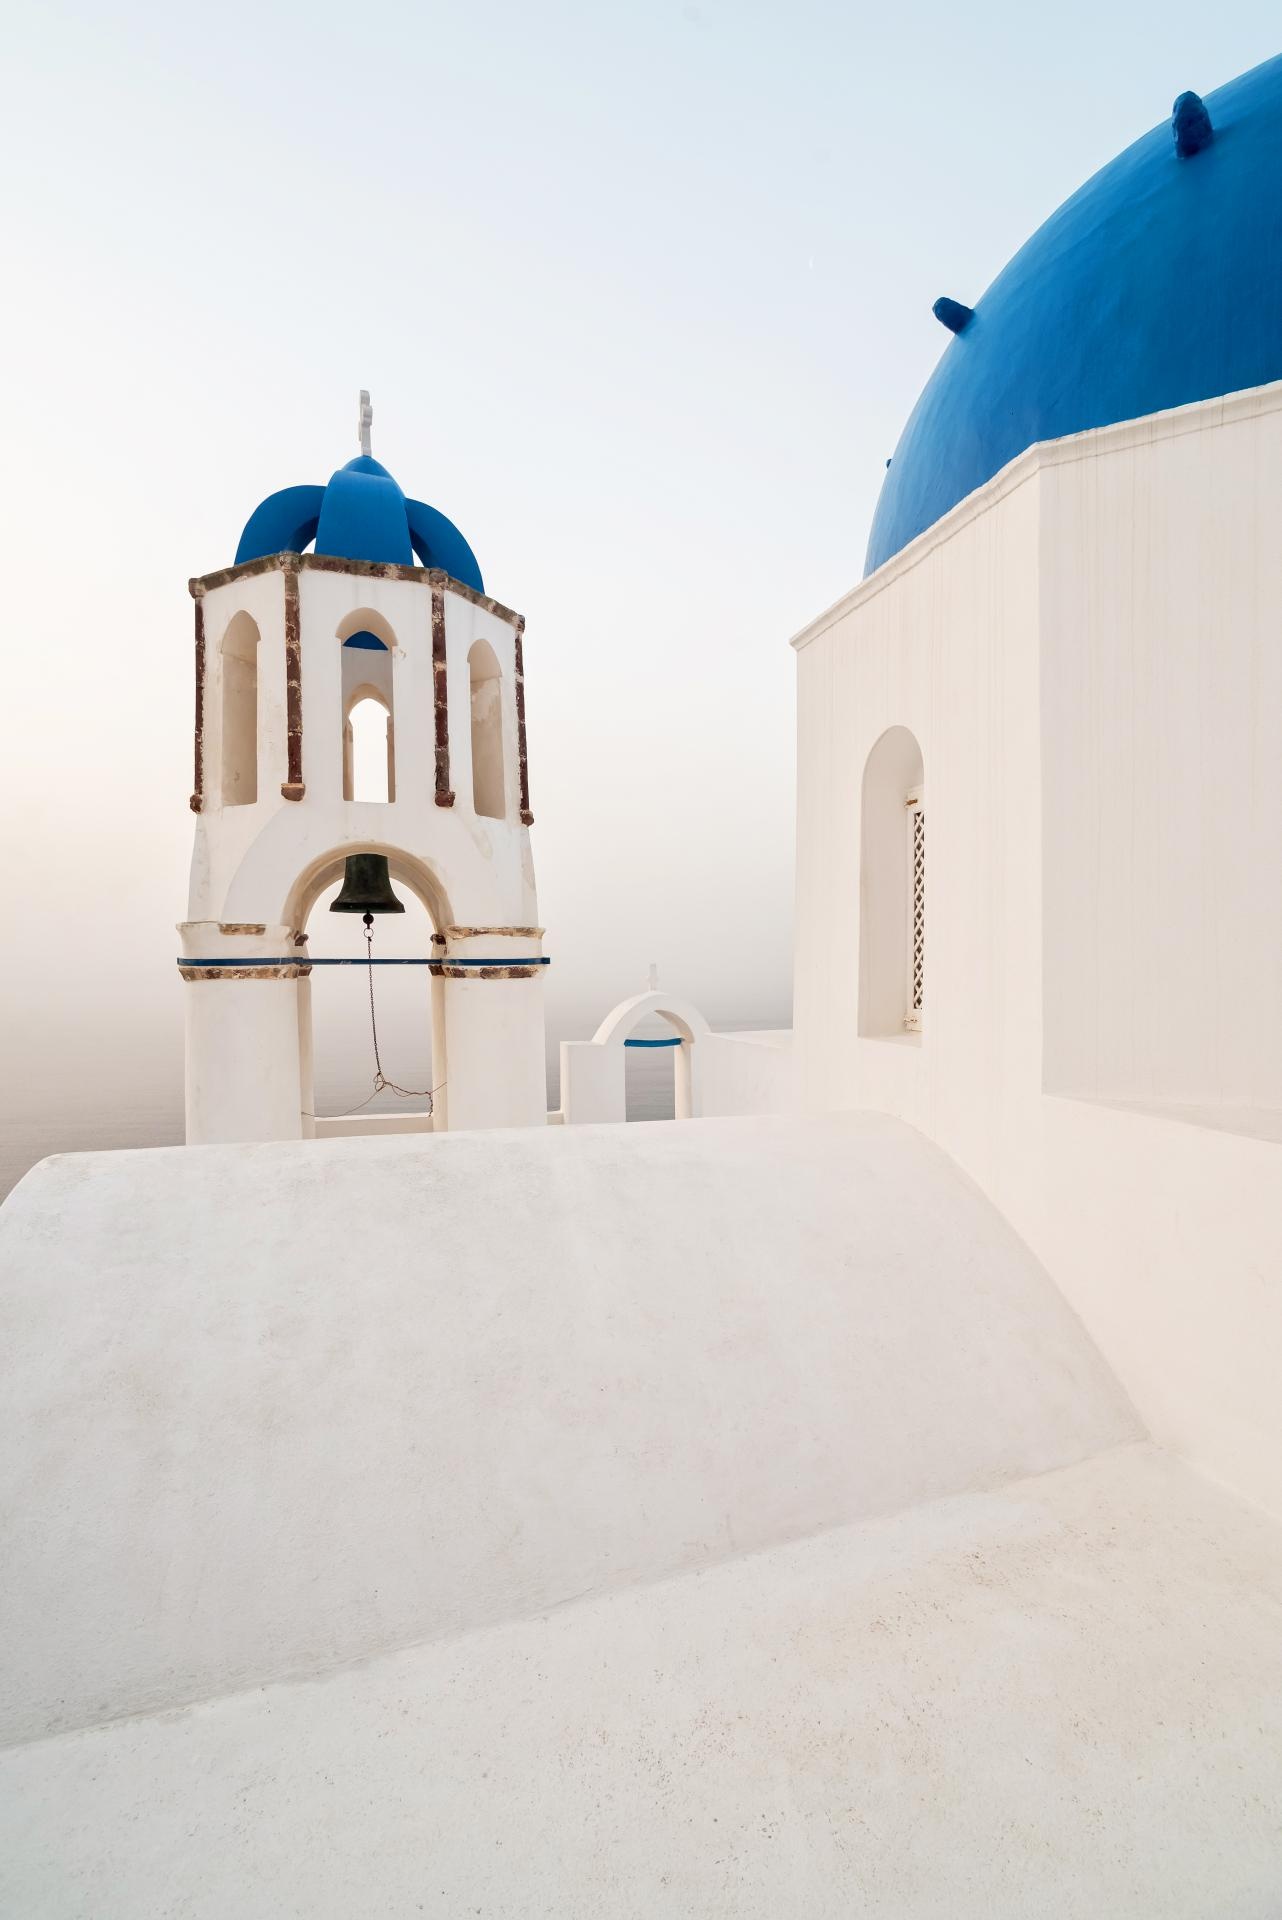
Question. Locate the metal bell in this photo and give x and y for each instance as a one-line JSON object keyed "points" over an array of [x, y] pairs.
{"points": [[367, 887]]}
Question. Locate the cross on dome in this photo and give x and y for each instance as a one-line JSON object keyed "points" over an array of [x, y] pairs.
{"points": [[364, 423]]}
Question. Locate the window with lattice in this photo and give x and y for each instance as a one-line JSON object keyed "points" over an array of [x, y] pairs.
{"points": [[916, 857]]}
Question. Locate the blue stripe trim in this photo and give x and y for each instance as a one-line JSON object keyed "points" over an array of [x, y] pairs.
{"points": [[301, 959], [238, 960], [512, 960], [674, 1042]]}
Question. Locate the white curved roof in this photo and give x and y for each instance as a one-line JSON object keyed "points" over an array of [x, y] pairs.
{"points": [[721, 1517]]}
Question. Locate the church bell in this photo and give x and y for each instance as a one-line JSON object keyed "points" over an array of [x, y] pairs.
{"points": [[367, 887]]}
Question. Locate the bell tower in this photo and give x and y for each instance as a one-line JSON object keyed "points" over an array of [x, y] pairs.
{"points": [[339, 594]]}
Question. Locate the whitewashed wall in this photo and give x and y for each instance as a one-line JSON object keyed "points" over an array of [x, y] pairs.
{"points": [[1087, 652], [1161, 720], [750, 1072]]}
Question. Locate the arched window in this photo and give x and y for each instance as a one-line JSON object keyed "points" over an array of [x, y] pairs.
{"points": [[240, 712], [369, 755], [369, 737], [487, 731], [892, 888]]}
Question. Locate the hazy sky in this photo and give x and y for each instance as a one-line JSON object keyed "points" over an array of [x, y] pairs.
{"points": [[643, 297]]}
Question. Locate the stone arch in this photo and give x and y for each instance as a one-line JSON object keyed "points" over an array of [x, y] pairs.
{"points": [[891, 806]]}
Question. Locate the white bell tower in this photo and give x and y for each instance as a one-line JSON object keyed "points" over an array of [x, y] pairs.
{"points": [[287, 641]]}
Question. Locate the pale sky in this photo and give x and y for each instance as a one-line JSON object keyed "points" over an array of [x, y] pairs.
{"points": [[642, 295]]}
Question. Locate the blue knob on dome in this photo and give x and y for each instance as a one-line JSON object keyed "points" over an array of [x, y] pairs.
{"points": [[1191, 125], [952, 313]]}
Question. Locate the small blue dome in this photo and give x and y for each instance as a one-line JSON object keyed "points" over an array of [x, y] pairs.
{"points": [[1157, 284], [361, 515]]}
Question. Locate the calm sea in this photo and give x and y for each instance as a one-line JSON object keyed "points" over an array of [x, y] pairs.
{"points": [[86, 1119]]}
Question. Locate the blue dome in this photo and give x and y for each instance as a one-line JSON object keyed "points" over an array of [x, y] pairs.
{"points": [[1159, 283], [361, 515]]}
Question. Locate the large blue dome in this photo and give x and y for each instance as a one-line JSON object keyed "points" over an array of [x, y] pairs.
{"points": [[361, 515], [1159, 283]]}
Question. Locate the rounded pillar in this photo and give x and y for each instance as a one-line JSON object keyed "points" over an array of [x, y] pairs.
{"points": [[244, 1032], [491, 998]]}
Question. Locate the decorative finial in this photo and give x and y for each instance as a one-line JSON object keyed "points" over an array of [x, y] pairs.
{"points": [[952, 313], [1191, 125], [366, 422]]}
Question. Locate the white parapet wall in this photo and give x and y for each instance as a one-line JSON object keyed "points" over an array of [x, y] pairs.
{"points": [[748, 1072]]}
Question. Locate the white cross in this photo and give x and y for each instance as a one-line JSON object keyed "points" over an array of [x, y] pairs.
{"points": [[366, 422], [654, 976]]}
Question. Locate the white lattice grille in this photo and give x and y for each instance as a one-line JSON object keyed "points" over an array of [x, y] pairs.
{"points": [[916, 912]]}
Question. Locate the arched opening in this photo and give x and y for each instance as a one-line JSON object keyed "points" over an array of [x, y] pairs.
{"points": [[892, 888], [341, 1038], [652, 1057], [642, 1063], [369, 734], [369, 752], [487, 730], [335, 1039], [239, 664]]}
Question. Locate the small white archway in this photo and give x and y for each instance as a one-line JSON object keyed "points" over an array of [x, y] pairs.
{"points": [[593, 1072]]}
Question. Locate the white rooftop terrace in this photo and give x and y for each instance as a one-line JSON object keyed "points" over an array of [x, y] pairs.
{"points": [[713, 1518]]}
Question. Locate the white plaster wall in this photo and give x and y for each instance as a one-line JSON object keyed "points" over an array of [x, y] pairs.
{"points": [[1080, 637], [948, 649], [747, 1072], [1167, 1237], [1162, 669], [267, 1409], [494, 1047], [593, 1084], [247, 1042]]}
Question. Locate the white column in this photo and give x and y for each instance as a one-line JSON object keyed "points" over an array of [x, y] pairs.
{"points": [[495, 1063], [244, 1054]]}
